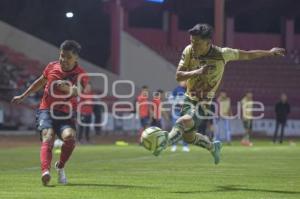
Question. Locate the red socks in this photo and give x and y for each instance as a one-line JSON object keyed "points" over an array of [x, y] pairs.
{"points": [[66, 151], [46, 155]]}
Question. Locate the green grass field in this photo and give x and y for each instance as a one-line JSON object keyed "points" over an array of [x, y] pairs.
{"points": [[265, 171]]}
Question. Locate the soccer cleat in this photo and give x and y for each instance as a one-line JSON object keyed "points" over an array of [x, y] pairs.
{"points": [[163, 145], [185, 149], [158, 151], [62, 179], [216, 152], [46, 178], [173, 148]]}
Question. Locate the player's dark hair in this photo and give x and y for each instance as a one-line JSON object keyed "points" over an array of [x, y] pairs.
{"points": [[71, 45], [205, 31], [158, 93], [144, 87]]}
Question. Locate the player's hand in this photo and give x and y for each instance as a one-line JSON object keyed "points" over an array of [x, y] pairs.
{"points": [[17, 99], [277, 52], [63, 86], [203, 69], [62, 82]]}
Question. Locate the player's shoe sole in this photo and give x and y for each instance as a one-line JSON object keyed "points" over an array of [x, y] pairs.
{"points": [[216, 153], [46, 178]]}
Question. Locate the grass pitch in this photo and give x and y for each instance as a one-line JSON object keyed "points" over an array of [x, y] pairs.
{"points": [[264, 171]]}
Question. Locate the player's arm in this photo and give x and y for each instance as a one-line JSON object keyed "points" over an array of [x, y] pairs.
{"points": [[34, 87], [182, 75], [182, 72], [255, 54]]}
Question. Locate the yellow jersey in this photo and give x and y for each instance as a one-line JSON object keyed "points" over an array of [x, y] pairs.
{"points": [[204, 86], [247, 106]]}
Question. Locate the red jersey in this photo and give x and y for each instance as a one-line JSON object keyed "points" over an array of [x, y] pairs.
{"points": [[53, 72], [87, 108], [143, 105], [156, 109]]}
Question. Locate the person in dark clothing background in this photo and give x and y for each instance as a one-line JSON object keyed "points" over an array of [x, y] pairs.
{"points": [[282, 109], [98, 110]]}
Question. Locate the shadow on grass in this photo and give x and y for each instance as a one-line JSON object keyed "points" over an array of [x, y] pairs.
{"points": [[234, 188], [118, 186], [50, 186]]}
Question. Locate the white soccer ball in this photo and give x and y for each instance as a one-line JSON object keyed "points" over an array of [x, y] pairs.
{"points": [[58, 143], [154, 139]]}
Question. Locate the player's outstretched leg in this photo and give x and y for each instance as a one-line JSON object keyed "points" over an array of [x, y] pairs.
{"points": [[66, 151], [216, 151], [203, 141], [183, 123], [46, 154], [171, 138]]}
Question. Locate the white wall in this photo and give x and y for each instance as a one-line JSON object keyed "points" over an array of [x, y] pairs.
{"points": [[144, 66]]}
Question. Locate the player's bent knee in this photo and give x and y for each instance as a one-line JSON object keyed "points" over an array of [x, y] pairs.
{"points": [[186, 121], [189, 137], [47, 135], [68, 134]]}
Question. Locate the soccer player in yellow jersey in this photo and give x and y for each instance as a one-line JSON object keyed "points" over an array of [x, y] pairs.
{"points": [[223, 120], [247, 105], [202, 65]]}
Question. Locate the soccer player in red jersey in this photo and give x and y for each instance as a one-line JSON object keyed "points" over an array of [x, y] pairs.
{"points": [[157, 110], [143, 107], [63, 81], [156, 106]]}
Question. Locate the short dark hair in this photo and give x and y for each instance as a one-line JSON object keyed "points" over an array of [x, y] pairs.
{"points": [[144, 87], [158, 92], [71, 45], [205, 31]]}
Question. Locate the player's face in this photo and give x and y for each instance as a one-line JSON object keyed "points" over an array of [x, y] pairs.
{"points": [[283, 98], [67, 60], [145, 92], [200, 45], [249, 95]]}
